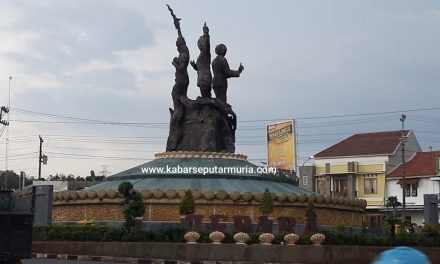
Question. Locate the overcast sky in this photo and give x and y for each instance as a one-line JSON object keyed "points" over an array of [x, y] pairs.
{"points": [[111, 61]]}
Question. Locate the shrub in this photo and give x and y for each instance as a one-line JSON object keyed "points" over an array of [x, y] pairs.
{"points": [[266, 205], [104, 234], [133, 204], [431, 231], [187, 205]]}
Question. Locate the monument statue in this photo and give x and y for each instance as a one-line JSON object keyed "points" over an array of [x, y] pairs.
{"points": [[221, 70], [205, 124], [203, 64], [180, 87]]}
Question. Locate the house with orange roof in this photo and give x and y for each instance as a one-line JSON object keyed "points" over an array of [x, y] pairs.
{"points": [[356, 166], [421, 177]]}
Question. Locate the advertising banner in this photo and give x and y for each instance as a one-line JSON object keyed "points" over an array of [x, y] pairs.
{"points": [[281, 145]]}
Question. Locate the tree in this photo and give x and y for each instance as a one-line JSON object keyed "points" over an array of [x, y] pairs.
{"points": [[311, 225], [12, 179], [70, 177], [266, 204], [187, 205], [393, 202], [133, 204]]}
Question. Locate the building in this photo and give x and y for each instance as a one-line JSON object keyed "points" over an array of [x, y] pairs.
{"points": [[421, 177], [356, 167]]}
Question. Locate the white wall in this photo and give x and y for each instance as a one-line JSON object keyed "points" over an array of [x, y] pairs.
{"points": [[425, 186], [57, 185]]}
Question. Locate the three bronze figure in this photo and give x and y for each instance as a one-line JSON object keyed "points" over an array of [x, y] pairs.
{"points": [[205, 124]]}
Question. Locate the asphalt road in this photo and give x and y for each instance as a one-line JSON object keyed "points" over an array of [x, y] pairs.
{"points": [[56, 261]]}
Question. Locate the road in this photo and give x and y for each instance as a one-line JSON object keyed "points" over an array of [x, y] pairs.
{"points": [[57, 261]]}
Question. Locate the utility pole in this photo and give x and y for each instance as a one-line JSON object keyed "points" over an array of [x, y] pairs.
{"points": [[4, 110], [403, 140], [7, 129], [40, 157]]}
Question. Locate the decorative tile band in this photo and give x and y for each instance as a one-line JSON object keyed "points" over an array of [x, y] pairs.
{"points": [[199, 155]]}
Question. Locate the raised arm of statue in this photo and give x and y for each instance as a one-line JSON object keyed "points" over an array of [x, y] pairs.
{"points": [[194, 65], [231, 73], [176, 20]]}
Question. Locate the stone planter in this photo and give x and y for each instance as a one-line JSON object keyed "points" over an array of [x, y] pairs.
{"points": [[191, 237], [221, 195], [216, 237], [281, 197], [266, 238], [171, 194], [196, 194], [146, 194], [91, 194], [302, 198], [158, 194], [101, 194], [247, 196], [208, 195], [73, 195], [292, 197], [82, 195], [241, 238], [234, 196], [317, 239], [112, 194], [66, 195], [258, 197], [291, 239]]}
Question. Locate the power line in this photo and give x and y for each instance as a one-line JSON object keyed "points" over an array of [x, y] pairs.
{"points": [[97, 121]]}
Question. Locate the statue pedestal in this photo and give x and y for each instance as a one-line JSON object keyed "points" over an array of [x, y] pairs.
{"points": [[205, 124]]}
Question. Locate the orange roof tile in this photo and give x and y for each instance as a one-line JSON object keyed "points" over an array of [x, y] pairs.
{"points": [[377, 143], [422, 164]]}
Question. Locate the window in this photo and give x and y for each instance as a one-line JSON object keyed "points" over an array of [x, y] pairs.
{"points": [[411, 190], [370, 186], [414, 190], [305, 180], [407, 190]]}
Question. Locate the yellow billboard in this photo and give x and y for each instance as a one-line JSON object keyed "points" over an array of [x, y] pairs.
{"points": [[281, 145]]}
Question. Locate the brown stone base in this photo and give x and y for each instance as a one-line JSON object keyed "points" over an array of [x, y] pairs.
{"points": [[170, 212]]}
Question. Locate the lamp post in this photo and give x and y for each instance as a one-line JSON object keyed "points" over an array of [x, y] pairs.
{"points": [[403, 140]]}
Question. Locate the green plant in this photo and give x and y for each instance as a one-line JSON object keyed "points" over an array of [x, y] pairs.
{"points": [[133, 204], [431, 231], [341, 227], [393, 202], [310, 212], [266, 204], [103, 233], [187, 205]]}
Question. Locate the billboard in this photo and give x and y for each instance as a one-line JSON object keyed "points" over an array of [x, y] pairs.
{"points": [[281, 145]]}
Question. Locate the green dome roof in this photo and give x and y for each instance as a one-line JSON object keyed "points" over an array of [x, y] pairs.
{"points": [[203, 174]]}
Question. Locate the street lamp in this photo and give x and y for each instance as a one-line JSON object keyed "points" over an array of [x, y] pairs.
{"points": [[403, 140]]}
